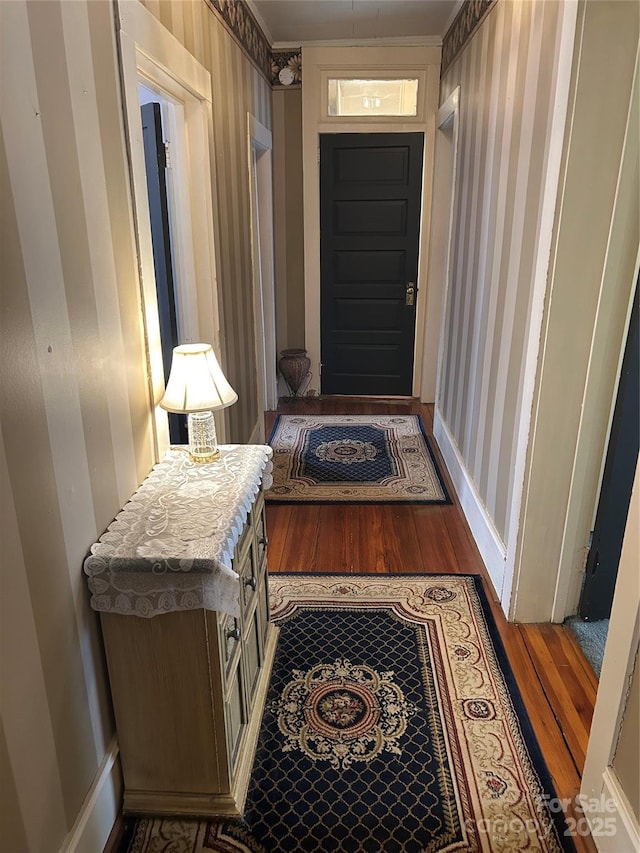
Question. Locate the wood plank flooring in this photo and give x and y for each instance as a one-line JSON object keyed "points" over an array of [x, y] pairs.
{"points": [[557, 683]]}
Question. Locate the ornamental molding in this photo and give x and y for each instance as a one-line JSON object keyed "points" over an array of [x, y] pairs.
{"points": [[239, 21], [286, 59], [462, 29]]}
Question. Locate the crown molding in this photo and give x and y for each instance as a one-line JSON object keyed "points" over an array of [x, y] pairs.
{"points": [[391, 41]]}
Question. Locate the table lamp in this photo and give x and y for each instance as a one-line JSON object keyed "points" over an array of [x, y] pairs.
{"points": [[197, 387]]}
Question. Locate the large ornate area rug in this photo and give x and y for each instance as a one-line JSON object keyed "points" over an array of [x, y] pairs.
{"points": [[353, 459], [393, 725]]}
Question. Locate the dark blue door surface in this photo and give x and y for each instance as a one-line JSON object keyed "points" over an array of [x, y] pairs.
{"points": [[370, 191], [617, 483], [156, 169]]}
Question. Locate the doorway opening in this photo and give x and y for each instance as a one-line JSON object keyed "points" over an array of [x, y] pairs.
{"points": [[590, 626], [161, 197]]}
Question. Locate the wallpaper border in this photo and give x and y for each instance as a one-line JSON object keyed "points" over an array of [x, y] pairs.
{"points": [[462, 29], [238, 19]]}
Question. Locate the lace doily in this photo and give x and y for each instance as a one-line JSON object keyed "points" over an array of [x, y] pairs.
{"points": [[171, 547]]}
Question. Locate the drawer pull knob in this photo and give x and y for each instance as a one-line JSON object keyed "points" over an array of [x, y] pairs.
{"points": [[251, 582], [263, 541], [234, 634]]}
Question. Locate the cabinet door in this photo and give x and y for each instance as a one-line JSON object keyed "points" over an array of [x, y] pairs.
{"points": [[235, 712], [260, 530], [252, 652], [230, 636]]}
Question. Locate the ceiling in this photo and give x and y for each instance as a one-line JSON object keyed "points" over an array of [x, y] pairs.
{"points": [[296, 22]]}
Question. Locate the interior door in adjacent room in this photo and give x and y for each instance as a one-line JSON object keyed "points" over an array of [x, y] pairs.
{"points": [[601, 570], [370, 194], [156, 167]]}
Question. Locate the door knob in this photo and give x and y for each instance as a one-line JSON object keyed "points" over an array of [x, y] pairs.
{"points": [[410, 293]]}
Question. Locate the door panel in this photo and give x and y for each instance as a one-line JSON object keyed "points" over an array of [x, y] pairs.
{"points": [[385, 165], [371, 186], [370, 217], [372, 267], [361, 314]]}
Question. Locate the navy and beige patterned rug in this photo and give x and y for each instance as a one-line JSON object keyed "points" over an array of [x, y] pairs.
{"points": [[392, 725], [353, 459]]}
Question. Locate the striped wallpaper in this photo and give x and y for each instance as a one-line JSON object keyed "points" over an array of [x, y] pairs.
{"points": [[76, 420], [289, 222], [507, 74]]}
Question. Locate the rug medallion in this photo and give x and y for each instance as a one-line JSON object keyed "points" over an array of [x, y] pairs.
{"points": [[353, 459], [392, 725]]}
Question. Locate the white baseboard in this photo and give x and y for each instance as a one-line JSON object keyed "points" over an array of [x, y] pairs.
{"points": [[99, 811], [491, 547], [614, 827]]}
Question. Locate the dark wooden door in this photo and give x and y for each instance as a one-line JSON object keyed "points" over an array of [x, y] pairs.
{"points": [[370, 190], [156, 169], [617, 483]]}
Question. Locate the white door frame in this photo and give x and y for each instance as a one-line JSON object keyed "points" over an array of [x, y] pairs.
{"points": [[444, 197], [150, 54], [260, 145], [607, 805], [422, 62]]}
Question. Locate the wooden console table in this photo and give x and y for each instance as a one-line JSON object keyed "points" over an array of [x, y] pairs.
{"points": [[180, 580]]}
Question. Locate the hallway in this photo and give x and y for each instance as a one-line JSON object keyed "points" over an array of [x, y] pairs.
{"points": [[557, 683]]}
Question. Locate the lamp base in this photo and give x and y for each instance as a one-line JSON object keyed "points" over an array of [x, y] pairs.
{"points": [[203, 442]]}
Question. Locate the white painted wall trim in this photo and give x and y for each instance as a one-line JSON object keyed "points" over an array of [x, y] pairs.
{"points": [[578, 521], [615, 828], [491, 547], [100, 809], [439, 261], [260, 164], [598, 778], [542, 261]]}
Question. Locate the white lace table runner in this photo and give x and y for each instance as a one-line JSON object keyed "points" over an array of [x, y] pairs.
{"points": [[171, 547]]}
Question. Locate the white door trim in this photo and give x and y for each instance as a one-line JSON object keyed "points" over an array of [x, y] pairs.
{"points": [[448, 123], [262, 247], [149, 53], [600, 783], [317, 62]]}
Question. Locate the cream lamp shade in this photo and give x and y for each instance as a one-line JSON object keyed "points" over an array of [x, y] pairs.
{"points": [[198, 387], [196, 381]]}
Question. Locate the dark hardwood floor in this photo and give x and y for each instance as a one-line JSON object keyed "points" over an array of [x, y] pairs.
{"points": [[556, 681]]}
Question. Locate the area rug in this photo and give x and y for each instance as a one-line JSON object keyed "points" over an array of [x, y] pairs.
{"points": [[392, 725], [353, 459]]}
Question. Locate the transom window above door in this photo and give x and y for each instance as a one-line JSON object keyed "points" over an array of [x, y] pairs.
{"points": [[369, 97]]}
